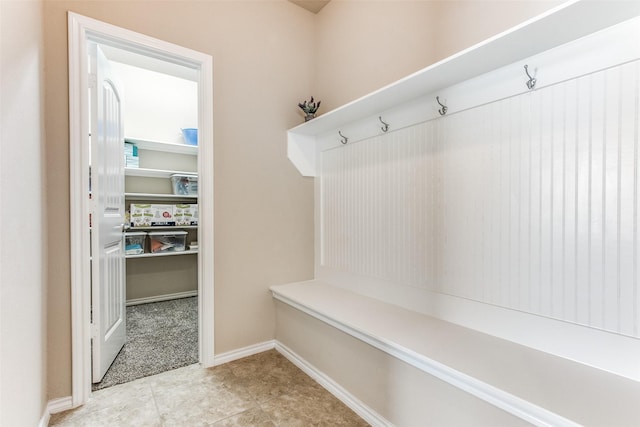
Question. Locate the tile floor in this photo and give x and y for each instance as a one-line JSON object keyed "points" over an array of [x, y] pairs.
{"points": [[261, 390]]}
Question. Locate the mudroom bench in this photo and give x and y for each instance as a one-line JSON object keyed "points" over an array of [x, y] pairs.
{"points": [[534, 386]]}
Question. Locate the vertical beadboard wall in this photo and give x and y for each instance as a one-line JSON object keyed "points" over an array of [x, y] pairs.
{"points": [[378, 207], [528, 203]]}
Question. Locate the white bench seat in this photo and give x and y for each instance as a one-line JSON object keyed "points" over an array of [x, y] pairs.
{"points": [[538, 387]]}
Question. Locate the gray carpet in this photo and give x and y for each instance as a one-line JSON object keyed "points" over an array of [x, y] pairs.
{"points": [[160, 336]]}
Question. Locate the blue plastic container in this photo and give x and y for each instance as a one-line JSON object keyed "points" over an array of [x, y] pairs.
{"points": [[190, 136]]}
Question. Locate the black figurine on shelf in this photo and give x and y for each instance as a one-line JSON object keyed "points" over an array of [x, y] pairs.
{"points": [[309, 108]]}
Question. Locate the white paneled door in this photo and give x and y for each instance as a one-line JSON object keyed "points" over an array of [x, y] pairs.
{"points": [[107, 188]]}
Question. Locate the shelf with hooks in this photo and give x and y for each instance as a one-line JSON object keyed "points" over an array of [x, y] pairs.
{"points": [[417, 92]]}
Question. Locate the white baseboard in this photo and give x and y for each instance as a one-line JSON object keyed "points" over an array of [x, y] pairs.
{"points": [[44, 420], [159, 298], [232, 355], [60, 404], [364, 411]]}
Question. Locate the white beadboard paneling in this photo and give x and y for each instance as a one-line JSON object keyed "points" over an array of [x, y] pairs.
{"points": [[376, 207], [528, 203]]}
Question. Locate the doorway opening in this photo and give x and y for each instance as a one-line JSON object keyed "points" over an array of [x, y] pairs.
{"points": [[159, 328], [167, 59]]}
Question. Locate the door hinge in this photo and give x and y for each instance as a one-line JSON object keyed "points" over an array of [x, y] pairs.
{"points": [[94, 331], [93, 81]]}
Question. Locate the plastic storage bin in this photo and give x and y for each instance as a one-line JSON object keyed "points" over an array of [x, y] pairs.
{"points": [[134, 242], [185, 185], [190, 136], [167, 241]]}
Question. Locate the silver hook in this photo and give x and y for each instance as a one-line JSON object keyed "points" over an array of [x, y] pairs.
{"points": [[532, 82], [384, 128], [344, 139], [443, 110]]}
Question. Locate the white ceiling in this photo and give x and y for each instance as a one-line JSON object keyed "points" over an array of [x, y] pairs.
{"points": [[311, 5]]}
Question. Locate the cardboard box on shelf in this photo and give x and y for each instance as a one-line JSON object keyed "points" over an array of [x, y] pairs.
{"points": [[162, 215], [186, 214], [140, 215], [150, 215]]}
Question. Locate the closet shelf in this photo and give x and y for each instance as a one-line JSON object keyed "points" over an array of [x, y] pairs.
{"points": [[154, 173], [160, 197], [151, 255], [561, 25], [167, 147], [164, 227]]}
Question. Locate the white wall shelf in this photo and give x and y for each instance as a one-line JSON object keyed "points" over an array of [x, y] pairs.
{"points": [[566, 23], [152, 255], [166, 147], [160, 197], [154, 173], [163, 227]]}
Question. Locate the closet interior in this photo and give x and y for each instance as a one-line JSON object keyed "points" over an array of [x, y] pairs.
{"points": [[160, 116]]}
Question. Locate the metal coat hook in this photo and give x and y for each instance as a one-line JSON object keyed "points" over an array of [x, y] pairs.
{"points": [[344, 139], [532, 82], [443, 110], [385, 127]]}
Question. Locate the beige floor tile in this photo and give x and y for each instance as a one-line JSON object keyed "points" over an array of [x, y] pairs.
{"points": [[130, 398], [143, 414], [264, 390], [265, 363], [199, 398], [250, 418], [121, 396], [269, 374], [310, 407]]}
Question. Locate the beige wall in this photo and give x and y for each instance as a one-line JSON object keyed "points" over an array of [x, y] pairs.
{"points": [[366, 44], [263, 207], [23, 379], [154, 277], [462, 24]]}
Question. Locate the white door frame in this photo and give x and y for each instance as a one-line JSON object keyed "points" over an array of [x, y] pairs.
{"points": [[81, 29]]}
